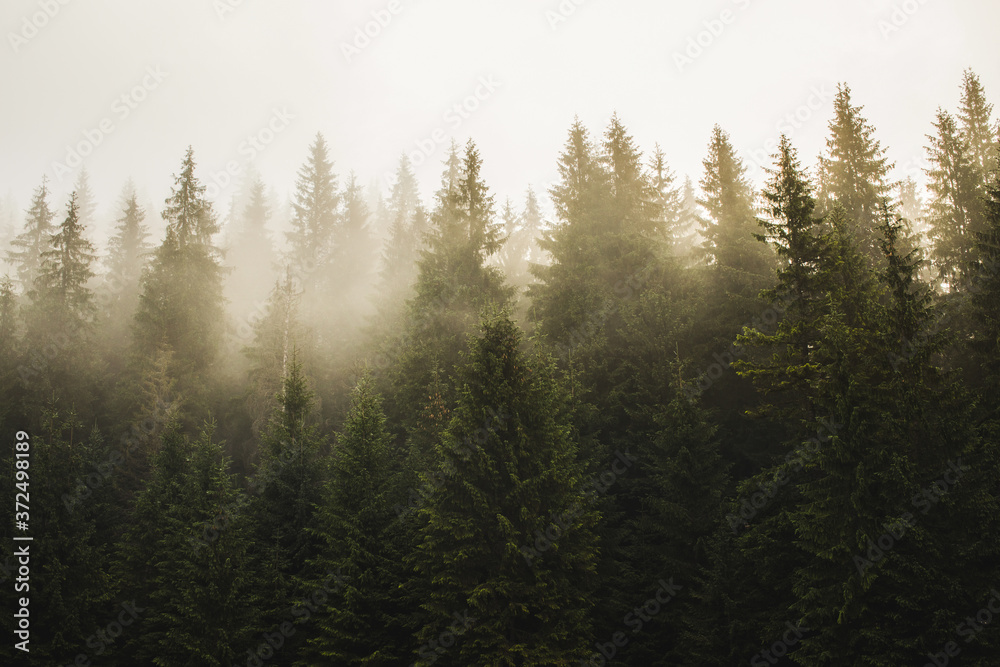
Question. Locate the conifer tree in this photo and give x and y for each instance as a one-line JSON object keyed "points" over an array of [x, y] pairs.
{"points": [[454, 283], [976, 125], [127, 254], [251, 255], [34, 240], [315, 218], [362, 543], [188, 559], [955, 211], [511, 477], [85, 199], [181, 304], [854, 173], [742, 264], [288, 484]]}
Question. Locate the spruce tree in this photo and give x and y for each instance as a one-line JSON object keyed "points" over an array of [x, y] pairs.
{"points": [[854, 173], [976, 125], [362, 542], [507, 540], [955, 213], [181, 304], [34, 240], [188, 559], [315, 215]]}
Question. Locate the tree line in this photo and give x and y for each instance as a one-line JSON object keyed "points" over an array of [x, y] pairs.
{"points": [[674, 425]]}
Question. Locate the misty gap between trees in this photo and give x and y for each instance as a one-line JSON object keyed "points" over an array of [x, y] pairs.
{"points": [[677, 424]]}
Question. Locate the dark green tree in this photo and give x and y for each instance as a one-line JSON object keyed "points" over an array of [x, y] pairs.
{"points": [[507, 542]]}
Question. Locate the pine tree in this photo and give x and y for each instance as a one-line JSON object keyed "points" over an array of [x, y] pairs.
{"points": [[507, 541], [34, 240], [275, 337], [854, 173], [251, 255], [181, 304], [955, 210], [362, 543], [288, 484], [977, 127], [128, 252], [60, 292], [399, 257], [454, 284], [188, 559], [743, 265], [85, 199], [315, 217], [666, 198], [59, 320]]}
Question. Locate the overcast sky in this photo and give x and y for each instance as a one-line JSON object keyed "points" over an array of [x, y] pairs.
{"points": [[133, 83]]}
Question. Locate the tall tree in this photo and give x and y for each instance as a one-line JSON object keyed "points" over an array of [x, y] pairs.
{"points": [[742, 264], [187, 559], [315, 218], [251, 255], [181, 304], [454, 283], [977, 127], [510, 476], [854, 172], [364, 622], [34, 240], [955, 212]]}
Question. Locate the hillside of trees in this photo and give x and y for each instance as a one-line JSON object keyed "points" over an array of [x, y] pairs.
{"points": [[708, 423]]}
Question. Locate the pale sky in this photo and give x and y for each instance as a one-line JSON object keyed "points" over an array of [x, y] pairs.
{"points": [[211, 73]]}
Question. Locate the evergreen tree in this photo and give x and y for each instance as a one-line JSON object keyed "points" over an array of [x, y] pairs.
{"points": [[743, 265], [288, 482], [362, 543], [61, 295], [251, 255], [854, 173], [454, 284], [127, 253], [187, 559], [955, 209], [976, 125], [315, 217], [181, 304], [85, 199], [34, 240], [510, 475]]}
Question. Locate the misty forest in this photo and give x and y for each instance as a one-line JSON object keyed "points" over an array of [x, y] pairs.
{"points": [[700, 421]]}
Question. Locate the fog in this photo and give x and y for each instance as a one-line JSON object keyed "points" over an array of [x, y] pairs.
{"points": [[555, 332]]}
